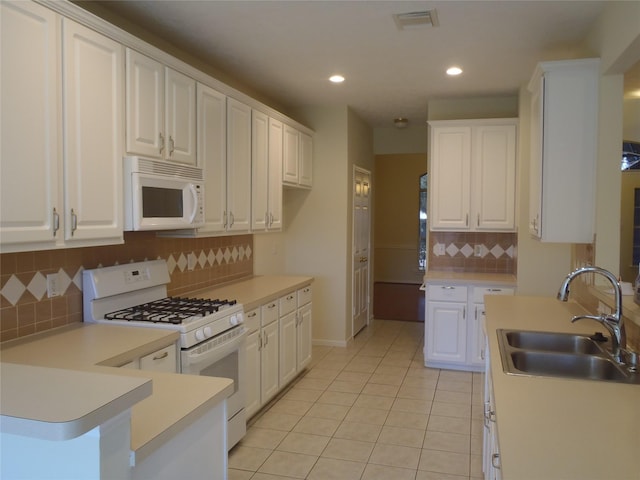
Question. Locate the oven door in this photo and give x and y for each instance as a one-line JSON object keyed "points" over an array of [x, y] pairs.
{"points": [[223, 356]]}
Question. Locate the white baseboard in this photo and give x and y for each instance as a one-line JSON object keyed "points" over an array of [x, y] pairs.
{"points": [[331, 343]]}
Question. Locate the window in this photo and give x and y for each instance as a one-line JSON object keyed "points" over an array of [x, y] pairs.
{"points": [[422, 226]]}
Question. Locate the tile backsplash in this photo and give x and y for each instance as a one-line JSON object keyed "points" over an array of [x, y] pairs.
{"points": [[25, 307], [475, 252]]}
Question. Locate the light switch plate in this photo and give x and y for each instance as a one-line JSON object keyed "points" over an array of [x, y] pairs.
{"points": [[52, 285]]}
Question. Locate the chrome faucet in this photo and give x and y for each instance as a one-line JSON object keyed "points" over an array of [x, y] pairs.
{"points": [[613, 323]]}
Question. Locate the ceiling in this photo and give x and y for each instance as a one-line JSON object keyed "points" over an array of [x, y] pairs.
{"points": [[286, 50]]}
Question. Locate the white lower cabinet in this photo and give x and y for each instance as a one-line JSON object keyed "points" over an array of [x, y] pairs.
{"points": [[453, 325], [278, 346], [162, 360], [490, 446]]}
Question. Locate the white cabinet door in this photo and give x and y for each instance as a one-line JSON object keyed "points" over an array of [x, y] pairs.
{"points": [[180, 117], [305, 162], [260, 171], [450, 186], [163, 360], [270, 357], [93, 121], [276, 137], [446, 332], [252, 377], [288, 355], [212, 155], [238, 166], [304, 319], [290, 156], [535, 163], [476, 337], [494, 176], [29, 129], [144, 105]]}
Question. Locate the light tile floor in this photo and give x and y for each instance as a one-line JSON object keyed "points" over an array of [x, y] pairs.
{"points": [[369, 411]]}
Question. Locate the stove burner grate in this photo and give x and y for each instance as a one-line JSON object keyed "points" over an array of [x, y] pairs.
{"points": [[170, 310]]}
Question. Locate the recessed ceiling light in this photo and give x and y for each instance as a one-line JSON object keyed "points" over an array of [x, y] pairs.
{"points": [[336, 78], [453, 71]]}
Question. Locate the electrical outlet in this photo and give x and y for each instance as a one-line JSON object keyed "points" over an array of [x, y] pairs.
{"points": [[52, 285], [477, 250], [439, 249], [191, 261]]}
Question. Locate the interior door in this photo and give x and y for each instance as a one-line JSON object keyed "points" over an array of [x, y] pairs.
{"points": [[361, 248]]}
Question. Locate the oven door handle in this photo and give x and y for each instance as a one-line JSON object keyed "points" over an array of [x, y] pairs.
{"points": [[216, 353]]}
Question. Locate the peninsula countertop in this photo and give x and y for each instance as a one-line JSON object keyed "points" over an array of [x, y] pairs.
{"points": [[556, 428]]}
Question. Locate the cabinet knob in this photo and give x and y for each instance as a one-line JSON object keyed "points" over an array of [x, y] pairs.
{"points": [[161, 356]]}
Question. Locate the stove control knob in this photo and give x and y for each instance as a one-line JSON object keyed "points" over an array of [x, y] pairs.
{"points": [[200, 335], [233, 320], [207, 332]]}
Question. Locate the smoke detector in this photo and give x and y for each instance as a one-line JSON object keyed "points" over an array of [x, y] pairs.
{"points": [[416, 19]]}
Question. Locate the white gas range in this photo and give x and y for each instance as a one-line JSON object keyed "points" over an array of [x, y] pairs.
{"points": [[212, 335]]}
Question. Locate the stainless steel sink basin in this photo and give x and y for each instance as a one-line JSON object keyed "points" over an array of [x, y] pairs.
{"points": [[560, 355], [552, 342]]}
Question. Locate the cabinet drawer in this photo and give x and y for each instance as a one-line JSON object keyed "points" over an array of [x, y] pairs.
{"points": [[252, 320], [480, 292], [447, 293], [163, 360], [287, 303], [269, 313], [304, 295]]}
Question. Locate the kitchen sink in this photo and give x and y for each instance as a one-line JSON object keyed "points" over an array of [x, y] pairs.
{"points": [[562, 355], [553, 342]]}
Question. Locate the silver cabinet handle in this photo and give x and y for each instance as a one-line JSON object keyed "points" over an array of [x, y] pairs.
{"points": [[266, 219], [251, 314], [232, 219], [224, 219], [171, 145], [466, 220], [271, 305], [56, 221], [448, 287], [478, 221], [495, 460], [270, 219], [161, 356], [74, 222], [161, 138]]}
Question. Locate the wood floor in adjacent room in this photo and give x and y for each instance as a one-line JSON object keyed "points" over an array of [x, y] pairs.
{"points": [[398, 301]]}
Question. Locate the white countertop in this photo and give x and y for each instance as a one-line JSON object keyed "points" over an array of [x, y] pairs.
{"points": [[553, 428]]}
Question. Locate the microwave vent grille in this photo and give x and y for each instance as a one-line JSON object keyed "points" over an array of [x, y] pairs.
{"points": [[156, 167]]}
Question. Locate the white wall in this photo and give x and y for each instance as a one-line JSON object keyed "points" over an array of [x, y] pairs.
{"points": [[388, 140]]}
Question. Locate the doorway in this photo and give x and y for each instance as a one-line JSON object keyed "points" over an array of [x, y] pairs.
{"points": [[361, 248]]}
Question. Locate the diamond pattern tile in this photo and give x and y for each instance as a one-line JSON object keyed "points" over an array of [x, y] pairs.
{"points": [[452, 250], [13, 290], [38, 286], [467, 250]]}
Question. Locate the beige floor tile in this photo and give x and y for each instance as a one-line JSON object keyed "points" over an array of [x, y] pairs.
{"points": [[328, 410], [322, 373], [407, 420], [278, 421], [313, 383], [346, 387], [303, 394], [334, 469], [384, 379], [366, 432], [416, 393], [374, 401], [233, 474], [456, 376], [393, 360], [421, 371], [447, 442], [356, 377], [317, 426], [395, 456], [338, 398], [263, 438], [288, 464], [366, 359], [476, 444], [396, 371], [454, 386], [332, 364], [408, 437], [423, 475], [458, 410], [477, 411], [383, 472], [304, 443], [444, 462], [449, 425], [367, 415], [359, 367], [292, 407], [476, 466], [477, 427], [446, 396], [344, 449], [418, 382], [382, 390], [411, 405], [247, 458]]}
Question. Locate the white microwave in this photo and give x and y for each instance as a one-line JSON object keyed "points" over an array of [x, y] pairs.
{"points": [[161, 195]]}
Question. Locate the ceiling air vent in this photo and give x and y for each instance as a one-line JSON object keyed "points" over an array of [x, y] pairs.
{"points": [[416, 19]]}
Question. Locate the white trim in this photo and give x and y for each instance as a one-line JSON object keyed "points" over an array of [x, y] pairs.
{"points": [[88, 19]]}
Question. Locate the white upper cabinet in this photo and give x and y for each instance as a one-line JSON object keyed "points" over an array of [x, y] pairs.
{"points": [[297, 162], [30, 136], [564, 132], [93, 99], [161, 110], [212, 155], [49, 199], [238, 213], [472, 175], [266, 181]]}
